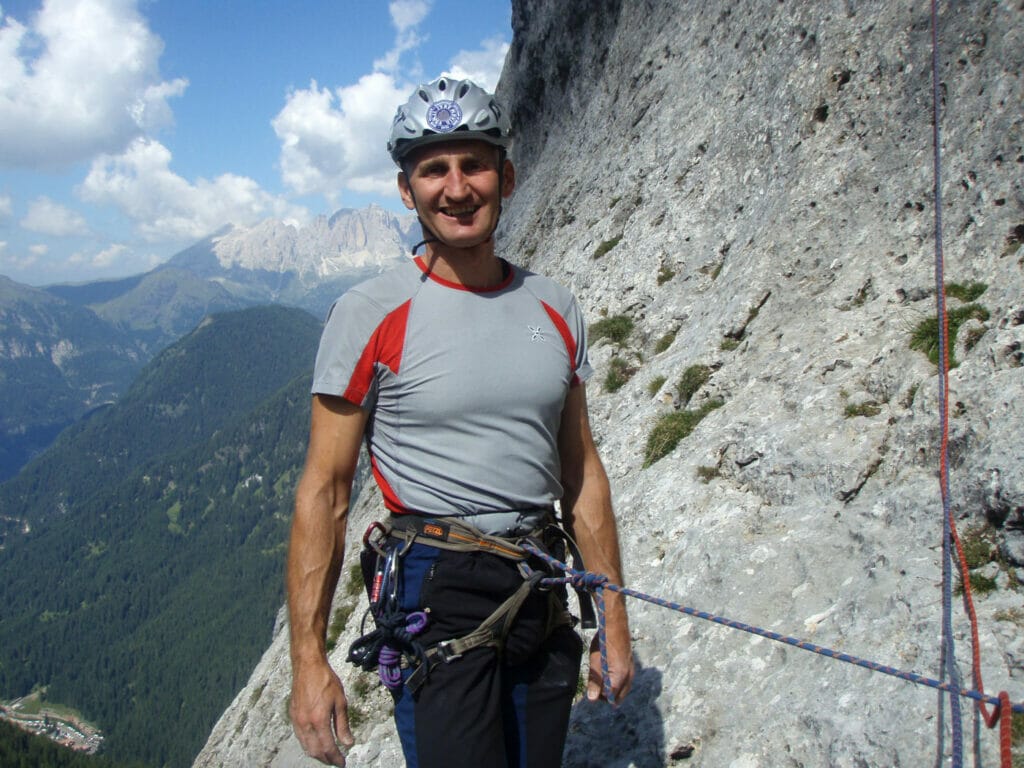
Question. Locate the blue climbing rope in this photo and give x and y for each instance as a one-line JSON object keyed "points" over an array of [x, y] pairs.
{"points": [[948, 652], [597, 583]]}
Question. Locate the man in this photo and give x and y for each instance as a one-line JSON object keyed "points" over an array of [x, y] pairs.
{"points": [[465, 377]]}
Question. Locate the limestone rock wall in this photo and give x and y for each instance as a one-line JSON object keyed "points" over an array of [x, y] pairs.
{"points": [[750, 183]]}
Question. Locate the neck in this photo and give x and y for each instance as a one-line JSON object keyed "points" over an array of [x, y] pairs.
{"points": [[476, 267]]}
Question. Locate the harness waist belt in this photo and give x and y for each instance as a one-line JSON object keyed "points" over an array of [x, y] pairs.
{"points": [[452, 534], [508, 523]]}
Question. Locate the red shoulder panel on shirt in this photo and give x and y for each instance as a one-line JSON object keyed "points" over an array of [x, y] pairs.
{"points": [[385, 347], [567, 339]]}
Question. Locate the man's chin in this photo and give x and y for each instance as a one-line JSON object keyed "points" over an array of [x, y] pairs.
{"points": [[463, 240]]}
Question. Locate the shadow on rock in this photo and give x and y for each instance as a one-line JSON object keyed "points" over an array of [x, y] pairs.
{"points": [[631, 735]]}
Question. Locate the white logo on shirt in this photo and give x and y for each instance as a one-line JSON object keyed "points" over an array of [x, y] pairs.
{"points": [[536, 333]]}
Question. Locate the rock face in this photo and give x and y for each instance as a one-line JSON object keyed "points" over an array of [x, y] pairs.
{"points": [[751, 185]]}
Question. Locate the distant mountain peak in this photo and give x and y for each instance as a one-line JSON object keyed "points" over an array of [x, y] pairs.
{"points": [[349, 239]]}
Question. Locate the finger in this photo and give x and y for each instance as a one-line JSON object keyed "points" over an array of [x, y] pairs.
{"points": [[595, 680], [320, 744], [342, 731], [327, 752]]}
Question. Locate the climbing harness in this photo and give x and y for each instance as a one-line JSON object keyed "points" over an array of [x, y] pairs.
{"points": [[393, 642]]}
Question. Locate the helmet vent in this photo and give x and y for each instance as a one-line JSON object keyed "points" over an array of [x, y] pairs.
{"points": [[463, 90]]}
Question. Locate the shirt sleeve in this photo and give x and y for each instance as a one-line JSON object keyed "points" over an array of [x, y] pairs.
{"points": [[348, 330], [578, 328]]}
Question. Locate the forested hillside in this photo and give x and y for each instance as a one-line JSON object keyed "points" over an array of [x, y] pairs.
{"points": [[222, 369], [148, 586], [57, 361], [19, 749]]}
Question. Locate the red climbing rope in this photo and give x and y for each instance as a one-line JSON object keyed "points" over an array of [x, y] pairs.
{"points": [[1002, 712]]}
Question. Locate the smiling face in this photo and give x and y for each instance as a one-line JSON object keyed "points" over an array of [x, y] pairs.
{"points": [[453, 187]]}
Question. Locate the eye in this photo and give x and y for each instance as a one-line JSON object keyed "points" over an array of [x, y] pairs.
{"points": [[433, 170], [476, 165]]}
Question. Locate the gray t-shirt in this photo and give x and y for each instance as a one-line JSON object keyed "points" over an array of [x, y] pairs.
{"points": [[465, 386]]}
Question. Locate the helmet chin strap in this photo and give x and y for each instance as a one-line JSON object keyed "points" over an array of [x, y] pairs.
{"points": [[425, 240]]}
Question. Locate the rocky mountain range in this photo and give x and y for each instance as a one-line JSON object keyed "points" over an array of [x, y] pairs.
{"points": [[741, 195], [66, 349], [307, 266]]}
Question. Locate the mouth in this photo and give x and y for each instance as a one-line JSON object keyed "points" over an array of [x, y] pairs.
{"points": [[460, 212]]}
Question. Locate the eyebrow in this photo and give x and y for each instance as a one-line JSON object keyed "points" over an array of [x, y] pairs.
{"points": [[469, 157]]}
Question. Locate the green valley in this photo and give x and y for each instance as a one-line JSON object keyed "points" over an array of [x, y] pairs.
{"points": [[149, 583]]}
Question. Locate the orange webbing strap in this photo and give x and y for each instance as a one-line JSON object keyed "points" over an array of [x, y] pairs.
{"points": [[450, 534]]}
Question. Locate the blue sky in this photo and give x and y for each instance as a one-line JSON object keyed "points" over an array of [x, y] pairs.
{"points": [[129, 129]]}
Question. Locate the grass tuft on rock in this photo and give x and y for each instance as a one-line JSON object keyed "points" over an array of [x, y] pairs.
{"points": [[966, 292], [606, 246], [616, 329], [693, 378], [925, 337], [672, 428], [619, 372]]}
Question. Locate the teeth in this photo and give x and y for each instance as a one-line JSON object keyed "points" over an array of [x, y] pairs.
{"points": [[459, 211]]}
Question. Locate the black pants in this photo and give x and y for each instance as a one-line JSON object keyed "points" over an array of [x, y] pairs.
{"points": [[484, 710]]}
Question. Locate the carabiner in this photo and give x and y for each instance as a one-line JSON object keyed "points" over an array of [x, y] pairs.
{"points": [[378, 527]]}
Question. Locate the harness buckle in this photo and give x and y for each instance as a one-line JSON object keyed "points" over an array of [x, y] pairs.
{"points": [[446, 652]]}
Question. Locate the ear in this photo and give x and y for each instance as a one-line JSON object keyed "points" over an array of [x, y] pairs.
{"points": [[406, 191], [509, 179]]}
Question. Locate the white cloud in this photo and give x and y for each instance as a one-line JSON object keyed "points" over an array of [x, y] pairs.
{"points": [[482, 66], [82, 77], [408, 13], [49, 218], [109, 256], [5, 206], [15, 263], [164, 206], [39, 249], [335, 140], [115, 258]]}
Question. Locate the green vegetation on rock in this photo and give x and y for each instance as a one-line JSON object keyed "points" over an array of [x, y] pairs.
{"points": [[616, 329], [671, 428]]}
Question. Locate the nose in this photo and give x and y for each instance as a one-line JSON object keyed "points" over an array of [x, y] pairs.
{"points": [[455, 185]]}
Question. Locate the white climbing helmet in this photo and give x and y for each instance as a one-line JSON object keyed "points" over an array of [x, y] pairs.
{"points": [[448, 109]]}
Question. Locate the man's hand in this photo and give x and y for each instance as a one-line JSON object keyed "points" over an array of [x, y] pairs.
{"points": [[620, 663], [319, 712]]}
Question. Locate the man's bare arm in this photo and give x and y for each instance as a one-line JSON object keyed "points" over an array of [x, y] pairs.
{"points": [[318, 705], [587, 510]]}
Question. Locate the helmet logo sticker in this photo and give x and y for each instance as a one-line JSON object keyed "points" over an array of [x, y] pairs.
{"points": [[444, 116]]}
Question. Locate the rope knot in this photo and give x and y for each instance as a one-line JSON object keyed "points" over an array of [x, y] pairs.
{"points": [[587, 580]]}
